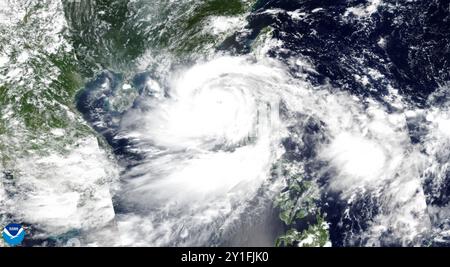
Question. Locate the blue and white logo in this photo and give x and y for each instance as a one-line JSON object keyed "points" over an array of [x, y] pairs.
{"points": [[13, 234]]}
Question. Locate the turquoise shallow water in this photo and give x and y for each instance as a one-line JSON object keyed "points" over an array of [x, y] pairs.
{"points": [[50, 51], [212, 123]]}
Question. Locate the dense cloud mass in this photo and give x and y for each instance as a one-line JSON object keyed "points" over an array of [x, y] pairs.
{"points": [[212, 123]]}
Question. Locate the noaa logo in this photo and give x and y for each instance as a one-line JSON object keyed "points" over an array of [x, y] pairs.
{"points": [[13, 234]]}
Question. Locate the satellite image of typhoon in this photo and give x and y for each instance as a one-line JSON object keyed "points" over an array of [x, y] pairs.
{"points": [[225, 122]]}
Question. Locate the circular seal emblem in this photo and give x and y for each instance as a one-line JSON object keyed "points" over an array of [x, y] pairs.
{"points": [[13, 234]]}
